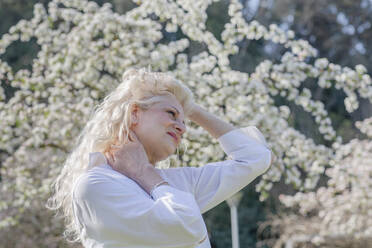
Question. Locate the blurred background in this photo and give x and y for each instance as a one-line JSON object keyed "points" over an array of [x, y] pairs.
{"points": [[340, 30]]}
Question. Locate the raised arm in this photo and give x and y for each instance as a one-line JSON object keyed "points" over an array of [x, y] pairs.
{"points": [[213, 124]]}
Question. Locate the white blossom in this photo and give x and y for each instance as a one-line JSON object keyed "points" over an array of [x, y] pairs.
{"points": [[84, 50]]}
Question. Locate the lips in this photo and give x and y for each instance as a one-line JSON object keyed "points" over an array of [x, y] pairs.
{"points": [[174, 136]]}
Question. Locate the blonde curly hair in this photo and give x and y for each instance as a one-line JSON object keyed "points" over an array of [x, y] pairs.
{"points": [[110, 124]]}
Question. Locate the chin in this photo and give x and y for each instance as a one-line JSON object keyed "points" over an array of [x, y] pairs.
{"points": [[169, 153], [164, 149]]}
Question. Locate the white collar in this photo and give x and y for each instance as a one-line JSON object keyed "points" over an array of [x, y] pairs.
{"points": [[96, 158]]}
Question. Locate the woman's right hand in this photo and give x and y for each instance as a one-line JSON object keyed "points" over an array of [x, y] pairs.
{"points": [[130, 159]]}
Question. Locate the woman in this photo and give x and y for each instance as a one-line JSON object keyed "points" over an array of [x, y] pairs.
{"points": [[117, 198]]}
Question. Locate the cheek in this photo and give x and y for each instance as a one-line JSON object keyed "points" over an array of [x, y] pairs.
{"points": [[156, 120], [153, 126], [161, 119]]}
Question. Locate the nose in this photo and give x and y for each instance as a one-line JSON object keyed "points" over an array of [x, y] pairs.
{"points": [[180, 127]]}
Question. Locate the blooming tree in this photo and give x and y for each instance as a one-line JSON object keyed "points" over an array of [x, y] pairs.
{"points": [[84, 50], [338, 215]]}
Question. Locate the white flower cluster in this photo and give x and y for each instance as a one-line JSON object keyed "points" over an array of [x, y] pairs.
{"points": [[84, 50], [343, 208]]}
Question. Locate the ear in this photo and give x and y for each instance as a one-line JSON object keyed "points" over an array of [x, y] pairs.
{"points": [[134, 114]]}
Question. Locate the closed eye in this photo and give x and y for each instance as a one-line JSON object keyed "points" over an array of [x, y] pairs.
{"points": [[172, 113]]}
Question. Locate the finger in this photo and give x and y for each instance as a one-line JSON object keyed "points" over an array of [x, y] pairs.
{"points": [[109, 158], [112, 157], [132, 136]]}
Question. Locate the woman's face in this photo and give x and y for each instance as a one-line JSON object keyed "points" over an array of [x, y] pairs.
{"points": [[160, 127]]}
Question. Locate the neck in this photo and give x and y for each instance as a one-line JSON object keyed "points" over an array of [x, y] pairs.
{"points": [[151, 158]]}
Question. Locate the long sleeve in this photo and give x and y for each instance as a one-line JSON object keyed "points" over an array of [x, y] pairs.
{"points": [[213, 183], [114, 211]]}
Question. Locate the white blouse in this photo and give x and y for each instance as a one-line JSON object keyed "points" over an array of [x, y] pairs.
{"points": [[113, 211]]}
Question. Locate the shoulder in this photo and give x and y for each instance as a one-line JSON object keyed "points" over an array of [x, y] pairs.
{"points": [[100, 180]]}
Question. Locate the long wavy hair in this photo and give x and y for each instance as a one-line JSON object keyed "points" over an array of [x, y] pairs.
{"points": [[108, 125]]}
